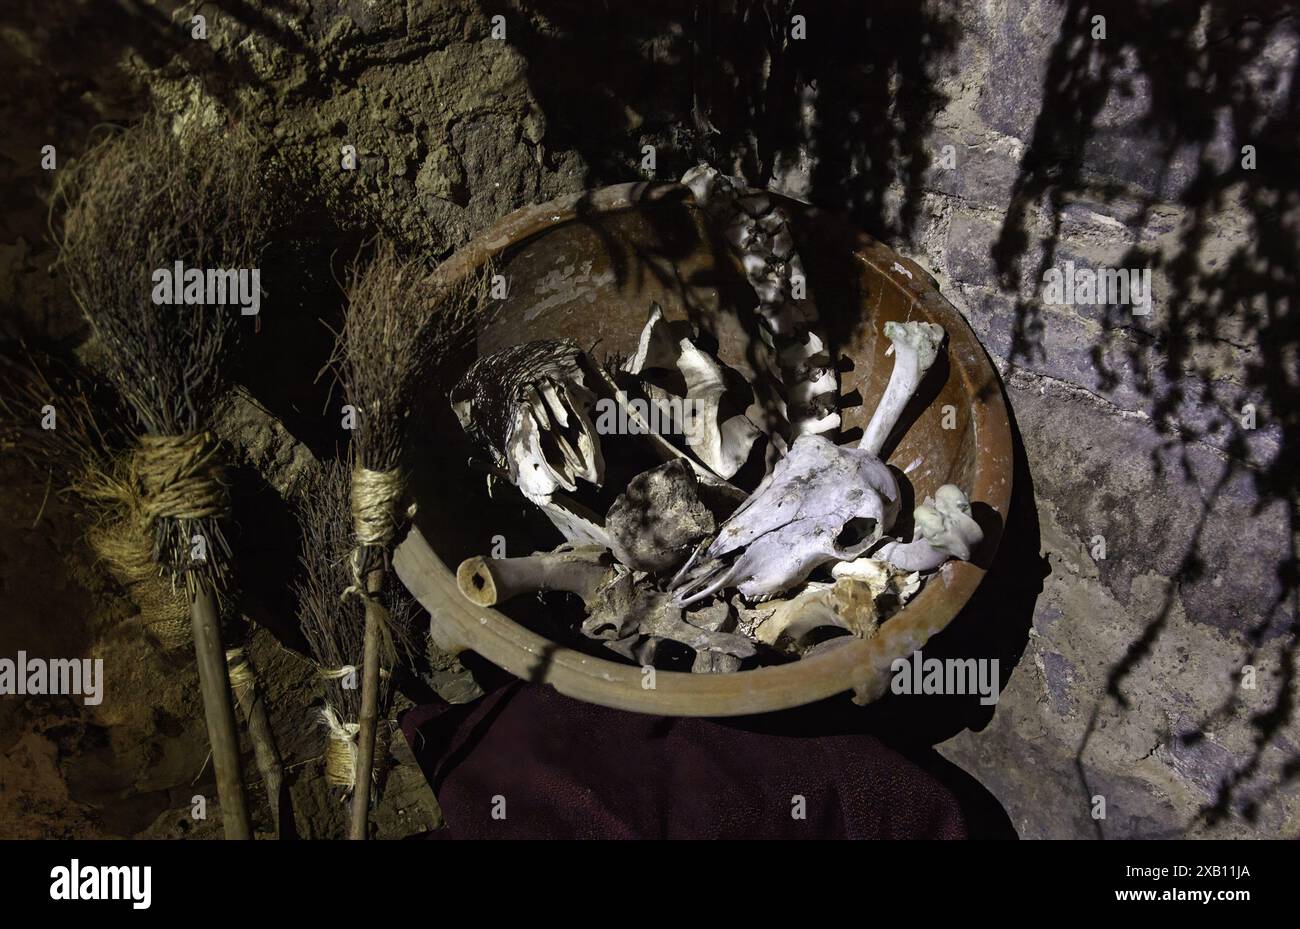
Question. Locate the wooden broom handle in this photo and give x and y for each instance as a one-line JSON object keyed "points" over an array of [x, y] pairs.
{"points": [[219, 712], [368, 721]]}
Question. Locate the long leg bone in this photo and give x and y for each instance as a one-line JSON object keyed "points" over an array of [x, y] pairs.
{"points": [[915, 347], [620, 611]]}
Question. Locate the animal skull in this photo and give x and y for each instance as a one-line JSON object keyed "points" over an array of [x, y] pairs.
{"points": [[822, 503], [530, 407]]}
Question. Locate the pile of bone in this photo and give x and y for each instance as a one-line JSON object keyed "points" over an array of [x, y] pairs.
{"points": [[662, 545]]}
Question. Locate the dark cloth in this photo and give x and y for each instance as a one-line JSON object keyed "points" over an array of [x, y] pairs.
{"points": [[568, 769]]}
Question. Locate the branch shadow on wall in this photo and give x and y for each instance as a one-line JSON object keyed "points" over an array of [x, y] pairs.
{"points": [[725, 81], [1216, 83]]}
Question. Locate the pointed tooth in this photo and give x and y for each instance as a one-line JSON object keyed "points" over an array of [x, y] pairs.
{"points": [[721, 578], [554, 403], [537, 407]]}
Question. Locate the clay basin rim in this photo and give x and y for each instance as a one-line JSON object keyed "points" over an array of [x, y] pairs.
{"points": [[561, 284]]}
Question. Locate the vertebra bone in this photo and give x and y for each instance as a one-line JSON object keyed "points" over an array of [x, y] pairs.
{"points": [[758, 231], [944, 529]]}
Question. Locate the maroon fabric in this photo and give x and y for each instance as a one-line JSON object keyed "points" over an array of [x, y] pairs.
{"points": [[568, 769]]}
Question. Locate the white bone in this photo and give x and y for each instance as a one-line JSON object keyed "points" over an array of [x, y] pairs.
{"points": [[857, 605], [944, 530], [758, 231], [578, 524], [916, 345], [656, 348], [489, 581], [723, 446], [791, 523]]}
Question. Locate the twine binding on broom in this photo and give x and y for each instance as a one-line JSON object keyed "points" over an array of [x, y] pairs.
{"points": [[165, 477], [181, 477], [375, 496], [242, 675], [126, 548], [375, 501], [340, 749]]}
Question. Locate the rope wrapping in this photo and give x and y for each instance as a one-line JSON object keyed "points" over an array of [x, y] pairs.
{"points": [[240, 670], [376, 498], [340, 749], [181, 478], [164, 477]]}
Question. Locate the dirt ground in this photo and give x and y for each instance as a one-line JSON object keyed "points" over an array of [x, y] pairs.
{"points": [[130, 766]]}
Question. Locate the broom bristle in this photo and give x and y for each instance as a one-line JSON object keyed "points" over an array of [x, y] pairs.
{"points": [[86, 432], [333, 624], [85, 454], [138, 201], [400, 321]]}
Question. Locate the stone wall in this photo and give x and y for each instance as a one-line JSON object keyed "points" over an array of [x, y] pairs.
{"points": [[1126, 152]]}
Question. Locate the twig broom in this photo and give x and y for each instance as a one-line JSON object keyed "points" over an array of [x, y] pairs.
{"points": [[334, 625], [140, 201], [83, 453], [400, 319]]}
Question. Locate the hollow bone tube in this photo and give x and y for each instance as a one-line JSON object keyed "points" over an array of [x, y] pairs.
{"points": [[489, 581]]}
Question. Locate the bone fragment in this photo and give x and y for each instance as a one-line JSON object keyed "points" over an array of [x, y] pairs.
{"points": [[656, 523], [489, 581], [662, 448], [944, 530], [624, 608], [786, 623], [722, 445], [656, 348]]}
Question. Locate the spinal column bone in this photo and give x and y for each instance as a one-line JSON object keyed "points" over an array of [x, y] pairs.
{"points": [[758, 232], [821, 503]]}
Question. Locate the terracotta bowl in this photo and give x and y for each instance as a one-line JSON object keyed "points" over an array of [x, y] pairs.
{"points": [[587, 267]]}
